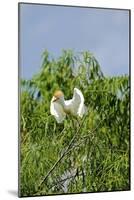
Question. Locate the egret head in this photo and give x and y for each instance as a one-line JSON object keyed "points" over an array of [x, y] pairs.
{"points": [[58, 97]]}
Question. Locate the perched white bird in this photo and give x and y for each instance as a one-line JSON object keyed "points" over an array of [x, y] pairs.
{"points": [[60, 107]]}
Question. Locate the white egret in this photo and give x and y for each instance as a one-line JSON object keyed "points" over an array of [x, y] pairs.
{"points": [[60, 107]]}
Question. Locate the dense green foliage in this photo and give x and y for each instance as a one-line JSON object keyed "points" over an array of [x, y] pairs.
{"points": [[98, 157]]}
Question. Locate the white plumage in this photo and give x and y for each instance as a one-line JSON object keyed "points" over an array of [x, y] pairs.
{"points": [[60, 107]]}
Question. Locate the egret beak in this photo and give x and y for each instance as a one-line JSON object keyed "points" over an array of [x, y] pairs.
{"points": [[55, 99]]}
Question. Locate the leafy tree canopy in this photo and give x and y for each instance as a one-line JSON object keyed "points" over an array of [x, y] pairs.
{"points": [[98, 158]]}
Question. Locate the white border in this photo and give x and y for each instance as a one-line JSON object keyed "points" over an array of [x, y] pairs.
{"points": [[9, 96]]}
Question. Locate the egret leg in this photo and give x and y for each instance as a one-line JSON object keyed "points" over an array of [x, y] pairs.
{"points": [[75, 123], [78, 122]]}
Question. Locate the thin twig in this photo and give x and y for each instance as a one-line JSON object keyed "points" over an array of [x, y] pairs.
{"points": [[99, 91], [62, 156], [65, 179], [73, 147], [69, 148], [84, 138]]}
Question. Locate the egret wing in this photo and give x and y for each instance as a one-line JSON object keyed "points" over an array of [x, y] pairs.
{"points": [[78, 102], [57, 111]]}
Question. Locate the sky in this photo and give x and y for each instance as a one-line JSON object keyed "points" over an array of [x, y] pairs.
{"points": [[104, 32]]}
